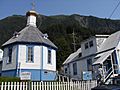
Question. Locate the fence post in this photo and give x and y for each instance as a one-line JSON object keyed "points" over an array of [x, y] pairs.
{"points": [[2, 85], [12, 85], [5, 85], [29, 85]]}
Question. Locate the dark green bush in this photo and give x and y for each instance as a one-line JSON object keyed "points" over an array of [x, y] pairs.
{"points": [[9, 79]]}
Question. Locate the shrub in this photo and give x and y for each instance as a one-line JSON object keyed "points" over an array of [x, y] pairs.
{"points": [[9, 79]]}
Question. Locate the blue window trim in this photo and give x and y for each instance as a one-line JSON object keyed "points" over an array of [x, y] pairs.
{"points": [[32, 43], [27, 53], [49, 49]]}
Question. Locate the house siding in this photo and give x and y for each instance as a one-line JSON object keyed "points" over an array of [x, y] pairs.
{"points": [[89, 50]]}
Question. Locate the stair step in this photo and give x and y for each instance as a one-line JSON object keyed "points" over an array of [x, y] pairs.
{"points": [[115, 75]]}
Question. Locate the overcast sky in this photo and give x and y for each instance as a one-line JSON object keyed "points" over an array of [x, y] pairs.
{"points": [[98, 8]]}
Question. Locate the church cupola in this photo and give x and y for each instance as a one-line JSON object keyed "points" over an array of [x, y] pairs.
{"points": [[31, 17]]}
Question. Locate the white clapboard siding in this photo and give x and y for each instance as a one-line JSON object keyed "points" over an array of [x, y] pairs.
{"points": [[76, 85]]}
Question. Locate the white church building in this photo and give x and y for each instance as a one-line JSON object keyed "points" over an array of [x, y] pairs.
{"points": [[30, 51]]}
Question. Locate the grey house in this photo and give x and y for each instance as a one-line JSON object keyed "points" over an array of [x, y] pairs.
{"points": [[100, 53]]}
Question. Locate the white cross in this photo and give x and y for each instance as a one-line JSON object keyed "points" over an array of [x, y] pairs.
{"points": [[33, 5]]}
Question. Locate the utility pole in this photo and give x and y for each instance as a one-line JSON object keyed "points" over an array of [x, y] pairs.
{"points": [[74, 43]]}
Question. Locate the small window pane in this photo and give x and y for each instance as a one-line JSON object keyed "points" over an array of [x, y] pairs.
{"points": [[89, 64], [80, 54], [65, 70], [74, 68], [49, 56], [91, 43], [30, 54], [86, 45], [9, 55]]}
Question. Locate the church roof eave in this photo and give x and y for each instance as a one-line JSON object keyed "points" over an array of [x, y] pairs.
{"points": [[30, 34], [30, 43]]}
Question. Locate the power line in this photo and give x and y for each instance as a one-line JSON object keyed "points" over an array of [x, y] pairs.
{"points": [[114, 10], [108, 26]]}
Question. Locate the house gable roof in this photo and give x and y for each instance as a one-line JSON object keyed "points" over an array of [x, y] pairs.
{"points": [[107, 47], [72, 56], [111, 42], [30, 34]]}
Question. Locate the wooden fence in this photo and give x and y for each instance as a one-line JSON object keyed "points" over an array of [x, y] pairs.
{"points": [[77, 85]]}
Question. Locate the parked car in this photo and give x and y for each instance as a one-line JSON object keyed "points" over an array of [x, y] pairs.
{"points": [[107, 87], [114, 85]]}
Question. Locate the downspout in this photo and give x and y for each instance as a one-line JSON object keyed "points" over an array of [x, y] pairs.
{"points": [[41, 65], [17, 64], [103, 72]]}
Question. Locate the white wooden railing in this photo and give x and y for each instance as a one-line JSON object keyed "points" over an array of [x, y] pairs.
{"points": [[77, 85]]}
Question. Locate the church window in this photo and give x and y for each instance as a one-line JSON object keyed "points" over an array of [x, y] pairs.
{"points": [[49, 56], [30, 54], [9, 55]]}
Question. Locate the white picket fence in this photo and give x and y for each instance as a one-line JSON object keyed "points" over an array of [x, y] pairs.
{"points": [[77, 85]]}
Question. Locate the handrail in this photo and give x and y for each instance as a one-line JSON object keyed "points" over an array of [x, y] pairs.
{"points": [[108, 75], [110, 71]]}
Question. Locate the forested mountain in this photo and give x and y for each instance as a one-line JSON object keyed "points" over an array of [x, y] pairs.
{"points": [[60, 28]]}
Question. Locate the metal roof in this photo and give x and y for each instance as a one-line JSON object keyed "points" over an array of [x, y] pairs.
{"points": [[72, 56], [111, 42], [30, 34], [103, 57], [107, 47]]}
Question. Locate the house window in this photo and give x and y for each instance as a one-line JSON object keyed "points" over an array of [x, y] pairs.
{"points": [[65, 70], [74, 68], [86, 45], [80, 54], [91, 43], [9, 55], [49, 56], [30, 54], [89, 64]]}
